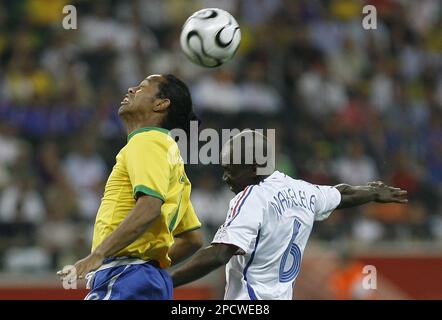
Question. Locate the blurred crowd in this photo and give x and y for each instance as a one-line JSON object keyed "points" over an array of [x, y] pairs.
{"points": [[348, 105]]}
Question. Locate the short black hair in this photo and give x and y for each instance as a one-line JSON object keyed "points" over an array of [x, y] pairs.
{"points": [[180, 111]]}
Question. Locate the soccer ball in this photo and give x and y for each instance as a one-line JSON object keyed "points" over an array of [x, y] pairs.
{"points": [[210, 37]]}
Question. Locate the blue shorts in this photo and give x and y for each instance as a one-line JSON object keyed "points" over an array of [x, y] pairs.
{"points": [[130, 279]]}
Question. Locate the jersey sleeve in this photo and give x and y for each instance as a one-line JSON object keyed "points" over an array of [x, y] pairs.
{"points": [[188, 222], [148, 166], [243, 222], [327, 199]]}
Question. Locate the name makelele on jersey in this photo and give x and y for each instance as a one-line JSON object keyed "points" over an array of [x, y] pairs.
{"points": [[287, 198]]}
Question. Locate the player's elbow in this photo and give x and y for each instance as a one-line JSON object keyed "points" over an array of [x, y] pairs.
{"points": [[344, 189]]}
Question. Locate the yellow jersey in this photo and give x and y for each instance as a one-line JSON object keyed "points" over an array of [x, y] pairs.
{"points": [[150, 163]]}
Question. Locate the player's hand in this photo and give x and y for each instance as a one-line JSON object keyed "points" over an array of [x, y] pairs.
{"points": [[81, 267], [386, 194]]}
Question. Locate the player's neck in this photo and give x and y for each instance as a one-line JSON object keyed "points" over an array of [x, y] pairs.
{"points": [[132, 125]]}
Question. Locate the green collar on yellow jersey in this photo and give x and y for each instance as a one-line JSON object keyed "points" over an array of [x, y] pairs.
{"points": [[144, 129]]}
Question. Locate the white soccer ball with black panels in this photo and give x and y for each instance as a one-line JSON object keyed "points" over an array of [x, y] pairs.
{"points": [[210, 37]]}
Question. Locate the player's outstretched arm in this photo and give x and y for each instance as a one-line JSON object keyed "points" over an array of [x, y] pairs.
{"points": [[186, 244], [136, 222], [374, 191], [203, 262]]}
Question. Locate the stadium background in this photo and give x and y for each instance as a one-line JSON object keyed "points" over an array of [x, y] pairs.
{"points": [[348, 105]]}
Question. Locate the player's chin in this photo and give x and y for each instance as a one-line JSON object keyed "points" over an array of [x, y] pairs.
{"points": [[124, 108]]}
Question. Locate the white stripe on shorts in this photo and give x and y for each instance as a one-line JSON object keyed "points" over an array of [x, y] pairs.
{"points": [[111, 283]]}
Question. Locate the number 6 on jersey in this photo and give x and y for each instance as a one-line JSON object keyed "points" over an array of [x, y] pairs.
{"points": [[292, 257]]}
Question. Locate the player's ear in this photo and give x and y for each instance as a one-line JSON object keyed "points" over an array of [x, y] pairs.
{"points": [[161, 105]]}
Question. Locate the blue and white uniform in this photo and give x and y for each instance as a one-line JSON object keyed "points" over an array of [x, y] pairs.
{"points": [[271, 223]]}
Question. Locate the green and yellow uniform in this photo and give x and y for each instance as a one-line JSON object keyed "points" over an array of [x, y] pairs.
{"points": [[149, 164]]}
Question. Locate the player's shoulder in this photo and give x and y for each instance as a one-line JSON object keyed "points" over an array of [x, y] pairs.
{"points": [[314, 188], [249, 193], [304, 185], [278, 180]]}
